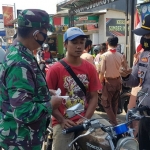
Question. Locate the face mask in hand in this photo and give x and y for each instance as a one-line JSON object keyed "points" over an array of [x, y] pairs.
{"points": [[44, 36]]}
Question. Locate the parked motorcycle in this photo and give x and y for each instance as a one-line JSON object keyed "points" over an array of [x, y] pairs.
{"points": [[123, 100], [48, 65], [118, 137]]}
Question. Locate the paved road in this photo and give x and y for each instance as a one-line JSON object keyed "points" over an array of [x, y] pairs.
{"points": [[120, 117]]}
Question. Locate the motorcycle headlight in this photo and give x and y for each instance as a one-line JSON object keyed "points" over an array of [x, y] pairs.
{"points": [[127, 143]]}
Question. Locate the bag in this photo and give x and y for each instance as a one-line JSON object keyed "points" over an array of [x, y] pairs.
{"points": [[77, 80]]}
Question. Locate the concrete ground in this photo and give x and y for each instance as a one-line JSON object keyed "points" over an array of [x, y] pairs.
{"points": [[120, 117]]}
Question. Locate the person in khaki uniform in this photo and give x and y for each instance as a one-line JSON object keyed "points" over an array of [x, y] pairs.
{"points": [[85, 55], [109, 66]]}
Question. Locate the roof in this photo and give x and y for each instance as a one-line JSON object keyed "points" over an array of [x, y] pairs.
{"points": [[94, 13], [81, 4]]}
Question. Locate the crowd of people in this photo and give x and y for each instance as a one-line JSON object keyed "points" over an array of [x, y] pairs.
{"points": [[28, 97]]}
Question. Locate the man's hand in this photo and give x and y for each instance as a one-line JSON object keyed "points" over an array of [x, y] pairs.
{"points": [[66, 123], [52, 92], [43, 61], [55, 102], [125, 70], [80, 121]]}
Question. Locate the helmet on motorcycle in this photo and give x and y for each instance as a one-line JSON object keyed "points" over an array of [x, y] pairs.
{"points": [[45, 46], [97, 48]]}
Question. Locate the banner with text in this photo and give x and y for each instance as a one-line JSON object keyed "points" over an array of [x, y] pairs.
{"points": [[115, 27], [7, 15]]}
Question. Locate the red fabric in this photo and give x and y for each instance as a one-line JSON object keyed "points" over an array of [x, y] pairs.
{"points": [[58, 77], [46, 55], [137, 24], [112, 50], [57, 20], [137, 19], [139, 48]]}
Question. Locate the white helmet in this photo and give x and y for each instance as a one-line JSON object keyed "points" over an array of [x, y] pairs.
{"points": [[45, 45]]}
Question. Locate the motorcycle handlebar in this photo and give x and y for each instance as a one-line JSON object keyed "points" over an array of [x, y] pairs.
{"points": [[133, 113], [140, 109], [78, 128]]}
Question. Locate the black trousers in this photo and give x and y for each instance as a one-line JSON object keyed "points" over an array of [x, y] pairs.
{"points": [[144, 134]]}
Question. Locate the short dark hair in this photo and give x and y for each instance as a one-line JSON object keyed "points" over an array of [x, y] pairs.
{"points": [[26, 32], [112, 41], [103, 46], [88, 43]]}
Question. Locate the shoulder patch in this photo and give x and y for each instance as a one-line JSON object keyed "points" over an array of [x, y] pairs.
{"points": [[144, 59], [101, 57]]}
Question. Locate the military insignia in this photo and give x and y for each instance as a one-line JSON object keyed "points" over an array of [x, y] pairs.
{"points": [[146, 44], [100, 58], [143, 22], [144, 59], [141, 73]]}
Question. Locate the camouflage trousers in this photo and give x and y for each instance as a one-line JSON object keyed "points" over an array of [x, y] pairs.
{"points": [[38, 147]]}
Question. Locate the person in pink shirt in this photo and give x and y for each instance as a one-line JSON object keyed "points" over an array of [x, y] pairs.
{"points": [[102, 48]]}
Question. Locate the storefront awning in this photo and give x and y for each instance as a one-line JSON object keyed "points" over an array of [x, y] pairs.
{"points": [[66, 13], [82, 5]]}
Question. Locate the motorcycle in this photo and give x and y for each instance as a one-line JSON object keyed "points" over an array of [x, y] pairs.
{"points": [[49, 64], [116, 137], [123, 100], [111, 138]]}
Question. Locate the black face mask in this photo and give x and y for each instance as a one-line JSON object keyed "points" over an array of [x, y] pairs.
{"points": [[41, 42]]}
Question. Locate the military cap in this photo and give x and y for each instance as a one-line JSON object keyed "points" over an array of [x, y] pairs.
{"points": [[34, 18], [145, 28]]}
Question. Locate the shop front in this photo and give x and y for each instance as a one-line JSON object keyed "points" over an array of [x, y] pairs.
{"points": [[89, 24], [118, 19]]}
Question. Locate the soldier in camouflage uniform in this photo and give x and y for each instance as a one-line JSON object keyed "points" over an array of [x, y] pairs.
{"points": [[140, 76], [25, 101]]}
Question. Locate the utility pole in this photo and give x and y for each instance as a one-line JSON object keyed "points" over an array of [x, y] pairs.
{"points": [[130, 43], [71, 17], [131, 34]]}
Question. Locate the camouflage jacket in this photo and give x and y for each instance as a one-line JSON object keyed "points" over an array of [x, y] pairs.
{"points": [[24, 99]]}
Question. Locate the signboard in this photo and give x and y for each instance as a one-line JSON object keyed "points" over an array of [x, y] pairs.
{"points": [[92, 5], [1, 22], [18, 12], [7, 15], [86, 23], [2, 33], [115, 27], [144, 10], [10, 32]]}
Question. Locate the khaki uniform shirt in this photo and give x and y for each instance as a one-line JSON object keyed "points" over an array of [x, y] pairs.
{"points": [[88, 57], [110, 63]]}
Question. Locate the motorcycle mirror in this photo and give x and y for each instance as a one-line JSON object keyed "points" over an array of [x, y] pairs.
{"points": [[142, 92], [74, 110], [89, 131]]}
